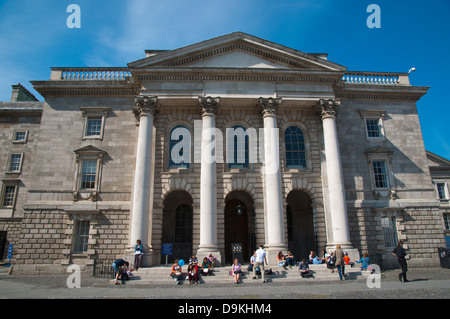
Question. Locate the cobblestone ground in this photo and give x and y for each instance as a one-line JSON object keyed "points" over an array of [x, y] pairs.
{"points": [[433, 283]]}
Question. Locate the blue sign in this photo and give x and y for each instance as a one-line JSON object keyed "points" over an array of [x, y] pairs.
{"points": [[167, 249], [10, 251]]}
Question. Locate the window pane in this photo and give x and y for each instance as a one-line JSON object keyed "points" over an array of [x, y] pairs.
{"points": [[380, 174], [441, 190], [373, 128], [20, 136], [15, 162], [295, 147], [447, 221], [8, 196], [179, 147], [94, 127], [81, 236], [88, 174], [389, 231], [237, 147]]}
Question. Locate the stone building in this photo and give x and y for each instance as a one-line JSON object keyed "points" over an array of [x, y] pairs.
{"points": [[231, 140]]}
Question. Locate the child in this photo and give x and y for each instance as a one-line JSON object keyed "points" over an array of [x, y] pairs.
{"points": [[192, 274]]}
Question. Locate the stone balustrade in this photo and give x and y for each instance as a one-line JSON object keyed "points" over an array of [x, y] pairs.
{"points": [[380, 78], [107, 73]]}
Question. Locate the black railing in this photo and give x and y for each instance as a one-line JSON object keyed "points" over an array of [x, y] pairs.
{"points": [[103, 269]]}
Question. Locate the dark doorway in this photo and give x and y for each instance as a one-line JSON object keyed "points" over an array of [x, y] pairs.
{"points": [[300, 224], [239, 224], [177, 225]]}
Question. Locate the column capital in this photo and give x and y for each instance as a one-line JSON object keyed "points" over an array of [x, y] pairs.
{"points": [[328, 108], [145, 105], [208, 104], [268, 106]]}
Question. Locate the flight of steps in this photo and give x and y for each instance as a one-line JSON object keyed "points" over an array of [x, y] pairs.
{"points": [[160, 275]]}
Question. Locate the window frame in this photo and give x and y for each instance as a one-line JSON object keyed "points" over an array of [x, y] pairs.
{"points": [[7, 183], [171, 165], [88, 154], [393, 232], [94, 113], [445, 189], [14, 140], [379, 116], [248, 158], [80, 239], [303, 151], [10, 163]]}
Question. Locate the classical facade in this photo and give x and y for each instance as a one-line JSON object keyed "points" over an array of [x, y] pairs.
{"points": [[231, 140]]}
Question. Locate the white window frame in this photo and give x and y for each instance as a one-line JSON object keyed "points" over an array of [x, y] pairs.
{"points": [[6, 184], [384, 155], [94, 113], [374, 115], [14, 137], [88, 153], [446, 190], [8, 168], [390, 236], [81, 237]]}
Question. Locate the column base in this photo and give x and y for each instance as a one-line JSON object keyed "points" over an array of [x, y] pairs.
{"points": [[272, 252], [203, 252]]}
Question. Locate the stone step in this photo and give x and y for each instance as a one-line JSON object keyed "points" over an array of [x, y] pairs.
{"points": [[221, 275]]}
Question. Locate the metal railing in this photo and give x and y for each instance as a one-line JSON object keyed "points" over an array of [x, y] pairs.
{"points": [[103, 269]]}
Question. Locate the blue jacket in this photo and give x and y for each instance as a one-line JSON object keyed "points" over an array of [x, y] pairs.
{"points": [[364, 261]]}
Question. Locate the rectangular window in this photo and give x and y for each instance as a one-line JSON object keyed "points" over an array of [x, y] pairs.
{"points": [[9, 192], [380, 174], [88, 174], [81, 236], [447, 221], [20, 137], [373, 128], [94, 126], [15, 163], [389, 231], [442, 193]]}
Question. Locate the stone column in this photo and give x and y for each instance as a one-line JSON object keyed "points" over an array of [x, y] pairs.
{"points": [[275, 240], [208, 191], [336, 191], [145, 108]]}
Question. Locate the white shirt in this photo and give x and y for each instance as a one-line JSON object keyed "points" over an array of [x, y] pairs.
{"points": [[260, 254]]}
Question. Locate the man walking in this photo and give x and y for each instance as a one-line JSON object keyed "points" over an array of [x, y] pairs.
{"points": [[259, 261], [400, 253]]}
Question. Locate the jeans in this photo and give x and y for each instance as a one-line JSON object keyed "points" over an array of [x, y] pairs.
{"points": [[340, 269], [404, 266]]}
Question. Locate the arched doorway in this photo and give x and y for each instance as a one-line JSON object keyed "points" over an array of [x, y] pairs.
{"points": [[177, 225], [300, 224], [239, 224]]}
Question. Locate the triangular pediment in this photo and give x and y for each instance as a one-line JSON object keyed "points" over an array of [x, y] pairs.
{"points": [[89, 149], [436, 161], [237, 50], [378, 150]]}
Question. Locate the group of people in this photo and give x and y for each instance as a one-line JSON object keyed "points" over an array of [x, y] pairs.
{"points": [[337, 259], [194, 269]]}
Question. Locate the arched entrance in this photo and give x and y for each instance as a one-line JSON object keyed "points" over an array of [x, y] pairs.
{"points": [[300, 224], [239, 224], [177, 225]]}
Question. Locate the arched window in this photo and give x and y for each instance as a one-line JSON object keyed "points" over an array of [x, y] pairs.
{"points": [[295, 147], [179, 147], [237, 147]]}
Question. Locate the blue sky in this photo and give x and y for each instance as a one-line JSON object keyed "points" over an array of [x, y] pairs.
{"points": [[34, 37]]}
